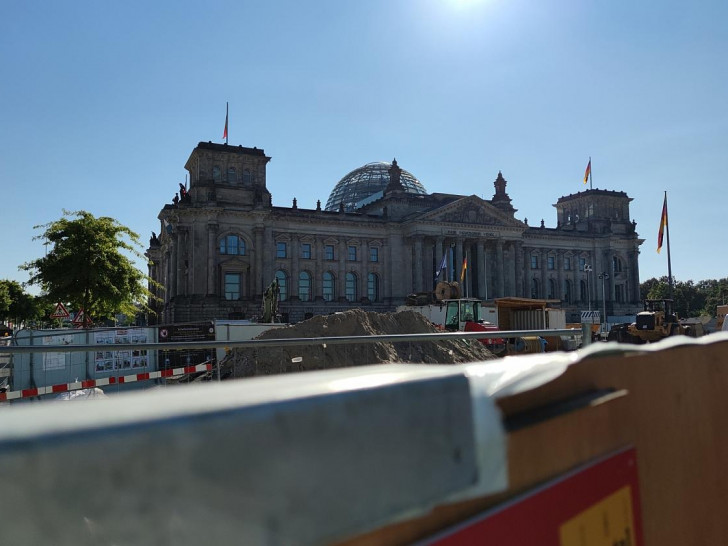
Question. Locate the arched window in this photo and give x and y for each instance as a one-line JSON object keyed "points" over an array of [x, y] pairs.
{"points": [[304, 286], [616, 264], [535, 292], [552, 290], [216, 173], [247, 177], [351, 287], [282, 284], [233, 245], [232, 176], [329, 286], [373, 287]]}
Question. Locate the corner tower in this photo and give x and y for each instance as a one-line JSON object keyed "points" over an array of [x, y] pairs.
{"points": [[223, 175]]}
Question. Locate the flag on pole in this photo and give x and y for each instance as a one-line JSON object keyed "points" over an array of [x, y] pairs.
{"points": [[663, 224], [443, 262], [224, 133], [587, 172], [465, 267]]}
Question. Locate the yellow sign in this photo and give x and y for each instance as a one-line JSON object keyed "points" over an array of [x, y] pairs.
{"points": [[609, 522]]}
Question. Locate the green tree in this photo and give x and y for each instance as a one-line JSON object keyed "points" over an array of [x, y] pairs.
{"points": [[88, 266], [18, 306]]}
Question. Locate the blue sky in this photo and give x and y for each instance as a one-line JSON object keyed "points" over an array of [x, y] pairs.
{"points": [[102, 102]]}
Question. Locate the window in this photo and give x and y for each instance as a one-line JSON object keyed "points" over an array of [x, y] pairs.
{"points": [[535, 292], [304, 286], [232, 176], [328, 286], [373, 254], [582, 291], [373, 287], [282, 284], [216, 173], [329, 252], [232, 244], [616, 264], [619, 290], [281, 250], [247, 177], [351, 291], [552, 289], [582, 264], [567, 263], [551, 262], [351, 256], [306, 251], [534, 261], [232, 286]]}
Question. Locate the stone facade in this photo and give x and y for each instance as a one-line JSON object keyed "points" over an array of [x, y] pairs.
{"points": [[222, 242]]}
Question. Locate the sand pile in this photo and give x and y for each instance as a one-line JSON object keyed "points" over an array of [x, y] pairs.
{"points": [[249, 362]]}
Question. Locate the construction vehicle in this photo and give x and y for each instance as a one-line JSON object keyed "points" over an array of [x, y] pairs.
{"points": [[657, 321], [448, 311]]}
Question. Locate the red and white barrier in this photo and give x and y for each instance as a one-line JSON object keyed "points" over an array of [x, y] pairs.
{"points": [[114, 380]]}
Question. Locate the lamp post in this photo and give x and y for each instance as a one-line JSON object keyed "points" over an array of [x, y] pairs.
{"points": [[587, 270], [604, 277]]}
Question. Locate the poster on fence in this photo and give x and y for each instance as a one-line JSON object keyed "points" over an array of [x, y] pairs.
{"points": [[56, 361], [108, 359], [181, 333]]}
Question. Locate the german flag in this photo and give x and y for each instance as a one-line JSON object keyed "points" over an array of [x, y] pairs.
{"points": [[663, 225], [587, 172]]}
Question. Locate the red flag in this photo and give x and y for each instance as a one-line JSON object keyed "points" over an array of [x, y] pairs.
{"points": [[587, 172], [663, 224], [224, 133]]}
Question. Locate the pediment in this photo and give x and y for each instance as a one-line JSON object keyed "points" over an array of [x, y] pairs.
{"points": [[472, 211]]}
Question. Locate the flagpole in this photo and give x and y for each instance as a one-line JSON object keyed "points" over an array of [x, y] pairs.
{"points": [[226, 121], [669, 264]]}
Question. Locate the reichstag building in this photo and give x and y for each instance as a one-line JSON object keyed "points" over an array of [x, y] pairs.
{"points": [[379, 238]]}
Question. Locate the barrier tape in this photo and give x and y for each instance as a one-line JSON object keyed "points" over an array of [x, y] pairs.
{"points": [[115, 380]]}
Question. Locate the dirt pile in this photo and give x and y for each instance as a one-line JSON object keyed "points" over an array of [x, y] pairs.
{"points": [[249, 362]]}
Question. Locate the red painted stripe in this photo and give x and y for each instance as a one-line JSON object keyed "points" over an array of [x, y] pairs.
{"points": [[142, 376], [29, 392], [190, 369], [167, 373], [3, 397], [59, 388], [88, 383], [112, 380]]}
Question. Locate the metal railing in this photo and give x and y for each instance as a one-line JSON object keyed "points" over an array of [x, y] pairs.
{"points": [[339, 340]]}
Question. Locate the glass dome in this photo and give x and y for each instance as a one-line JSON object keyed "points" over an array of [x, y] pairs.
{"points": [[366, 184]]}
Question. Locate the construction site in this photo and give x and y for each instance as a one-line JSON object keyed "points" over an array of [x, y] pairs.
{"points": [[366, 429]]}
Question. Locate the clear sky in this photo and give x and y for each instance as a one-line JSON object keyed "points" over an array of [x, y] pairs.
{"points": [[102, 102]]}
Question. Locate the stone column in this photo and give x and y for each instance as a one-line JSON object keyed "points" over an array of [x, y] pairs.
{"points": [[341, 280], [294, 255], [520, 268], [211, 262], [543, 256], [318, 274], [560, 274], [500, 275], [458, 266], [418, 264], [259, 270], [482, 273]]}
